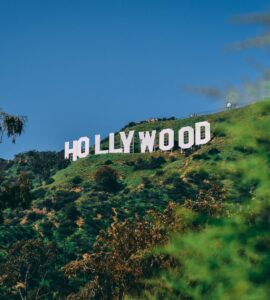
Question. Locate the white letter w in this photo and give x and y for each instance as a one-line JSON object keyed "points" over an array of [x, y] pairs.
{"points": [[147, 140]]}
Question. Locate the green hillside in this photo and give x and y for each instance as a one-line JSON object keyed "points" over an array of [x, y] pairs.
{"points": [[47, 198]]}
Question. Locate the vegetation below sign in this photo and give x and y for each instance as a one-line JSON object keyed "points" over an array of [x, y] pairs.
{"points": [[190, 224]]}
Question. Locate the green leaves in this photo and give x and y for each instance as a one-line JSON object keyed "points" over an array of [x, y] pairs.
{"points": [[229, 258]]}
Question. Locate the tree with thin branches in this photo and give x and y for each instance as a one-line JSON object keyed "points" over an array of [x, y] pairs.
{"points": [[11, 126]]}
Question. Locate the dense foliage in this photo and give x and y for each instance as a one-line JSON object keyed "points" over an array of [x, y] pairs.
{"points": [[191, 225]]}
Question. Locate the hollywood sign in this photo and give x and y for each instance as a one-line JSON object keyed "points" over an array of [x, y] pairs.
{"points": [[187, 137]]}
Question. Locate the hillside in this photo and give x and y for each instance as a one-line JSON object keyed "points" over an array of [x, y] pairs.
{"points": [[147, 181], [69, 206]]}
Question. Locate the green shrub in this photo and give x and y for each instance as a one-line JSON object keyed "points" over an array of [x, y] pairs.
{"points": [[63, 197], [49, 181], [106, 178], [71, 212], [153, 163], [33, 216], [147, 182], [76, 180], [38, 193]]}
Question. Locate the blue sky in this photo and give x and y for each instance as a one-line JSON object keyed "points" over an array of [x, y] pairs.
{"points": [[78, 68]]}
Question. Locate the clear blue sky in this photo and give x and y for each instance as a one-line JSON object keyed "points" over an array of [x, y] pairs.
{"points": [[78, 68]]}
